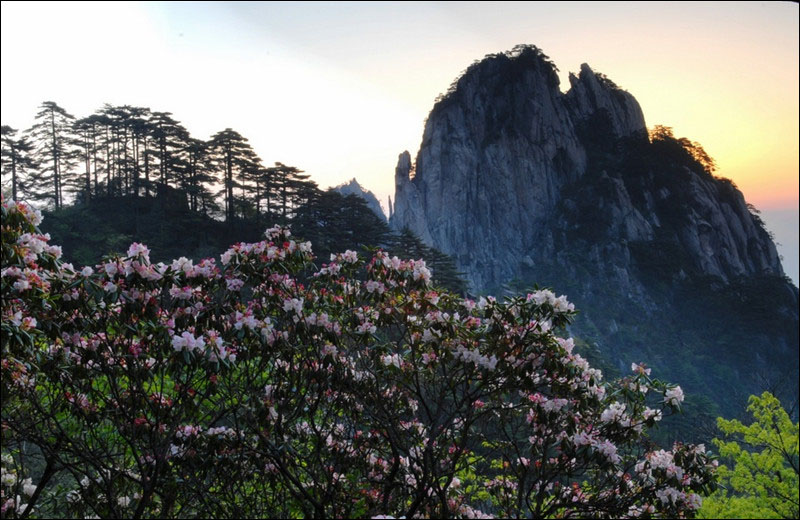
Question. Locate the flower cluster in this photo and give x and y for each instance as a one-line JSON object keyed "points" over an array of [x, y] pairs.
{"points": [[14, 491], [268, 387]]}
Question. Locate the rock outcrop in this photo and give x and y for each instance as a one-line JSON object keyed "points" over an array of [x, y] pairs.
{"points": [[591, 91], [354, 188], [521, 184], [507, 160]]}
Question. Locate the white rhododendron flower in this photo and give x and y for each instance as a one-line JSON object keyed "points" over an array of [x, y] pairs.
{"points": [[674, 396]]}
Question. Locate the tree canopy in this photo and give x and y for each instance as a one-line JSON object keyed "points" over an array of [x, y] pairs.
{"points": [[763, 482]]}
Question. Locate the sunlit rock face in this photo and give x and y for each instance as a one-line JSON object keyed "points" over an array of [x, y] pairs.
{"points": [[514, 177]]}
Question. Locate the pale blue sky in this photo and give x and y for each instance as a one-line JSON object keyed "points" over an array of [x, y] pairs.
{"points": [[340, 89]]}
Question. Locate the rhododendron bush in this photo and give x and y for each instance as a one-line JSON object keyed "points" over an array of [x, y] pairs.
{"points": [[258, 387]]}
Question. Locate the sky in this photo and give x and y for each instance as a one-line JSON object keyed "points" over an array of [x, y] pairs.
{"points": [[340, 89]]}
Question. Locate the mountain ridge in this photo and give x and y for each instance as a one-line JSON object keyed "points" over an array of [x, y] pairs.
{"points": [[506, 135], [523, 184], [353, 187]]}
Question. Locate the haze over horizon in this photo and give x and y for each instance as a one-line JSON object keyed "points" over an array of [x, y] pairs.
{"points": [[340, 90]]}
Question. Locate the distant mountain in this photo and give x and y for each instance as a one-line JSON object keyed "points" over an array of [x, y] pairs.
{"points": [[523, 184], [354, 188]]}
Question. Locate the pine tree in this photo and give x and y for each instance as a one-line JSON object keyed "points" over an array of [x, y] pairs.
{"points": [[335, 223], [170, 139], [88, 133], [233, 158], [104, 145], [17, 161], [52, 137], [286, 188], [140, 127], [129, 134], [108, 119], [198, 175]]}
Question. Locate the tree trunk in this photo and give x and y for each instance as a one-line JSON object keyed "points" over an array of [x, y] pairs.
{"points": [[56, 186], [229, 181], [13, 173], [108, 163], [146, 169], [125, 163], [135, 165], [88, 164], [94, 155]]}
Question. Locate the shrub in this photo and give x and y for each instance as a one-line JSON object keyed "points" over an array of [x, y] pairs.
{"points": [[237, 390]]}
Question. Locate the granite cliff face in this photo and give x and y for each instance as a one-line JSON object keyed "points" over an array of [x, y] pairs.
{"points": [[510, 167], [521, 184]]}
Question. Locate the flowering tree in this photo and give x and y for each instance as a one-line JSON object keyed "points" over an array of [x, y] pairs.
{"points": [[261, 388]]}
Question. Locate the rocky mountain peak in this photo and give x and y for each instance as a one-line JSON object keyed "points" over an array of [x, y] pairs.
{"points": [[511, 173], [354, 188], [522, 184], [591, 91]]}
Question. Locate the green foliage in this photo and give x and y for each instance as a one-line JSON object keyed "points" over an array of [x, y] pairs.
{"points": [[445, 272], [106, 225], [181, 390], [17, 159], [764, 480], [721, 506], [333, 223]]}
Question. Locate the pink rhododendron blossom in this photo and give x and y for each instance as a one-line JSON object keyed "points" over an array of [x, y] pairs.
{"points": [[137, 249], [358, 390]]}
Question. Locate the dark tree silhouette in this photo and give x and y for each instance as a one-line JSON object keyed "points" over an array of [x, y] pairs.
{"points": [[17, 161], [88, 133], [199, 175], [287, 187], [232, 156], [52, 136], [170, 138], [663, 136], [334, 222]]}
